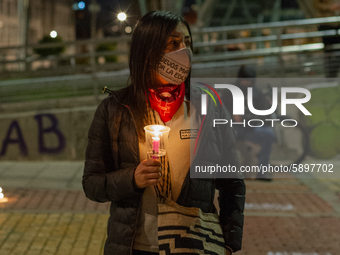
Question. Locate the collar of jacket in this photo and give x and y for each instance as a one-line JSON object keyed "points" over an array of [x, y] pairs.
{"points": [[119, 95]]}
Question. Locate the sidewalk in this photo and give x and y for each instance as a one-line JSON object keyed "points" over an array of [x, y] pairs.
{"points": [[48, 213]]}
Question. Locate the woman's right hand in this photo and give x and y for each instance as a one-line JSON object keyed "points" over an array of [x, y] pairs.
{"points": [[148, 173]]}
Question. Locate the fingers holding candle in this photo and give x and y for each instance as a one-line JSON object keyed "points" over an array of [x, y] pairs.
{"points": [[147, 173]]}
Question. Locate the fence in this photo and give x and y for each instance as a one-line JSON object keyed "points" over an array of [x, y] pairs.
{"points": [[276, 48]]}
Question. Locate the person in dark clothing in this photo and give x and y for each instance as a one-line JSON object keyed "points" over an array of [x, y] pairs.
{"points": [[117, 169], [263, 136]]}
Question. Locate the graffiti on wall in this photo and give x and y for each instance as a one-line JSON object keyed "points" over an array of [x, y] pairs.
{"points": [[14, 136]]}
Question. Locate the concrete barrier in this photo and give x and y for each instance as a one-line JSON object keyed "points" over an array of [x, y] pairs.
{"points": [[53, 133]]}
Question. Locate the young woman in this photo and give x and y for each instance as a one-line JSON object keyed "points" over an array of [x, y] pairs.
{"points": [[117, 169]]}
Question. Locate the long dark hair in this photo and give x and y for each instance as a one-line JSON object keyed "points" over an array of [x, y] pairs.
{"points": [[148, 45]]}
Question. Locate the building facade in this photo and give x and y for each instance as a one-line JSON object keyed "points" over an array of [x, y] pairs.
{"points": [[44, 16]]}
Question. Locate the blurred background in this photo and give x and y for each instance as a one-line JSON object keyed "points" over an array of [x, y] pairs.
{"points": [[58, 55], [55, 58], [93, 36]]}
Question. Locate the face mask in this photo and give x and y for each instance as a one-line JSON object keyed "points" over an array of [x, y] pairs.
{"points": [[175, 66]]}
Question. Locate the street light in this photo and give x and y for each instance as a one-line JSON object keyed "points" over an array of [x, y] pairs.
{"points": [[128, 29], [53, 34], [81, 5], [121, 16]]}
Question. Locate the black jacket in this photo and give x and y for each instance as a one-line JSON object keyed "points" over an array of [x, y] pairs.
{"points": [[112, 155]]}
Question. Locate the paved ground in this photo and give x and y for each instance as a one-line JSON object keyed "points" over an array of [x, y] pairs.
{"points": [[47, 213]]}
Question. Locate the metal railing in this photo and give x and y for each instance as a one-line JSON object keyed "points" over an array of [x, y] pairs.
{"points": [[80, 54], [268, 45], [206, 40], [264, 39]]}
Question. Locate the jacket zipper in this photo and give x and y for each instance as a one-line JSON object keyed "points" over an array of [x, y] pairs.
{"points": [[141, 200], [138, 154], [135, 229]]}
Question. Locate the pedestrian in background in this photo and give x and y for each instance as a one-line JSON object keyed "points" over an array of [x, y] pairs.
{"points": [[263, 136], [117, 169]]}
